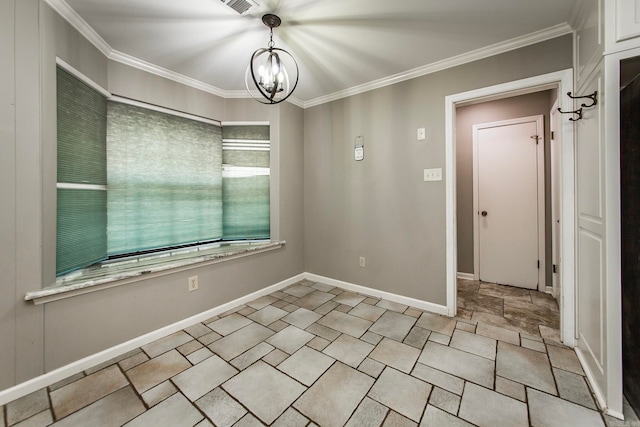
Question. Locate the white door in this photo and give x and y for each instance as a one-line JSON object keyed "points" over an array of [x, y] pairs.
{"points": [[508, 176], [593, 322]]}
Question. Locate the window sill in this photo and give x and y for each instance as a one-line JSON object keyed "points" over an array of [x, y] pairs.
{"points": [[109, 275]]}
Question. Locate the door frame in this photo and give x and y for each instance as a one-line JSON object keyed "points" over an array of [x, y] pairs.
{"points": [[555, 143], [539, 119], [563, 82]]}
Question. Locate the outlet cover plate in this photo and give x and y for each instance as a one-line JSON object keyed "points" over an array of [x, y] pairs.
{"points": [[433, 174], [193, 283]]}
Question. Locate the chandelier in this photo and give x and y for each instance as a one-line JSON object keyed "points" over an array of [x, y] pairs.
{"points": [[268, 70]]}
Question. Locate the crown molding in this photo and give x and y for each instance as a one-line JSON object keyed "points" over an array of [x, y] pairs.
{"points": [[143, 65], [243, 94], [577, 14], [295, 101], [76, 21], [70, 15], [64, 10], [454, 61]]}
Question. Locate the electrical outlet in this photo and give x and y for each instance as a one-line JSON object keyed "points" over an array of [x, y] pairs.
{"points": [[422, 134], [193, 283], [362, 262]]}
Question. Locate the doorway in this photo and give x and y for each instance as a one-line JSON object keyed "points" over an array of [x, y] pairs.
{"points": [[508, 199], [630, 225], [561, 81]]}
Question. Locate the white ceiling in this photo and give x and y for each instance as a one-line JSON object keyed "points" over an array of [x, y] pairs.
{"points": [[339, 44]]}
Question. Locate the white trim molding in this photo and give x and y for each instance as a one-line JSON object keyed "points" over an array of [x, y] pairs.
{"points": [[66, 371], [82, 77], [563, 81], [465, 58], [73, 368], [140, 64], [76, 21], [400, 299], [465, 276]]}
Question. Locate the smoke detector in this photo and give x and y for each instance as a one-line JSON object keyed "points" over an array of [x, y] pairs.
{"points": [[240, 6]]}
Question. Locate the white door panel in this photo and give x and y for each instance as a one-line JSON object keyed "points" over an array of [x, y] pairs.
{"points": [[507, 195], [590, 272], [591, 250]]}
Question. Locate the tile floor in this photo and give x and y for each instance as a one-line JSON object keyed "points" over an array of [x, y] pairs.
{"points": [[523, 310], [312, 354]]}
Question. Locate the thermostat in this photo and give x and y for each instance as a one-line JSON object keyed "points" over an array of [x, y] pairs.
{"points": [[359, 148]]}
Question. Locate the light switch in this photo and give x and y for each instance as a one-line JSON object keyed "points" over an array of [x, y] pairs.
{"points": [[422, 134], [433, 174]]}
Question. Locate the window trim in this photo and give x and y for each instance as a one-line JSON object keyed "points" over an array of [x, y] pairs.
{"points": [[80, 285]]}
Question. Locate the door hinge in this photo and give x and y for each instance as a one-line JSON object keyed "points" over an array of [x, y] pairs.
{"points": [[553, 135], [554, 268], [538, 264]]}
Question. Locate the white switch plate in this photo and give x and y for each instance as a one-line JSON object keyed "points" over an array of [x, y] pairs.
{"points": [[362, 262], [422, 134], [433, 174]]}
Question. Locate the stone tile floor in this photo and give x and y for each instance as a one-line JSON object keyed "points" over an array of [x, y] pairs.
{"points": [[523, 310], [313, 354]]}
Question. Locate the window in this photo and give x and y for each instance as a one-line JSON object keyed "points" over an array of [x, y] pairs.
{"points": [[82, 174], [133, 180], [245, 182], [164, 177]]}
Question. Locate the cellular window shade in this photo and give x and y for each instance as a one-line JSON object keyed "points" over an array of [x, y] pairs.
{"points": [[81, 238], [165, 180], [245, 182], [81, 228], [82, 127]]}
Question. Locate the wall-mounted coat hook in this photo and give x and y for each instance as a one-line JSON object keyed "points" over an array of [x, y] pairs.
{"points": [[577, 112], [594, 101], [593, 97]]}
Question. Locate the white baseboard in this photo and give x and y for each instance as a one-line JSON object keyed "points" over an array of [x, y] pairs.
{"points": [[423, 305], [73, 368], [465, 276]]}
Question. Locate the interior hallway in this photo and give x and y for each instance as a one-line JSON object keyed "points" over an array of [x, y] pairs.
{"points": [[313, 354]]}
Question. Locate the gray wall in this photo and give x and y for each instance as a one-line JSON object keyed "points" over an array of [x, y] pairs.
{"points": [[380, 208], [332, 209], [7, 194], [37, 339], [503, 109]]}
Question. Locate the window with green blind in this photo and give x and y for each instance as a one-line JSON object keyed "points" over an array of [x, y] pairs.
{"points": [[133, 180], [245, 182], [82, 174], [165, 180]]}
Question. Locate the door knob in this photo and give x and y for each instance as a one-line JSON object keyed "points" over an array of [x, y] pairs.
{"points": [[484, 213]]}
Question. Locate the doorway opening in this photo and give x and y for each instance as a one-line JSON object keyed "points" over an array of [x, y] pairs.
{"points": [[630, 231], [461, 216]]}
